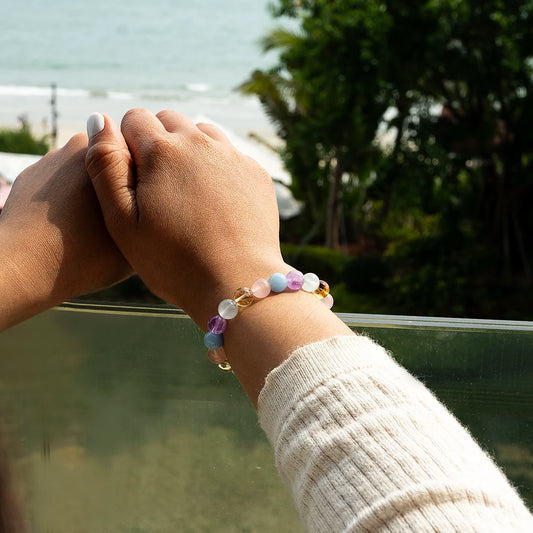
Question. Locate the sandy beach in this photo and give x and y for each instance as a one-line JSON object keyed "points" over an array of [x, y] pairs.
{"points": [[241, 119], [236, 113]]}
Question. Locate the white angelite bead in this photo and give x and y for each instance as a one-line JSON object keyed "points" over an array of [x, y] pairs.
{"points": [[228, 309], [311, 282]]}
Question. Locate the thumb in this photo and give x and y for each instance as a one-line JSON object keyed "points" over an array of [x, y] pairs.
{"points": [[110, 166]]}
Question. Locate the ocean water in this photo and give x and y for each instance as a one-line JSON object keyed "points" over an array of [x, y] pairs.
{"points": [[111, 55]]}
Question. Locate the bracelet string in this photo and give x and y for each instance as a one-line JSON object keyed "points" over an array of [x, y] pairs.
{"points": [[244, 297]]}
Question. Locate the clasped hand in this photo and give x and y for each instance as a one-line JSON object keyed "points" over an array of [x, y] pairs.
{"points": [[173, 199]]}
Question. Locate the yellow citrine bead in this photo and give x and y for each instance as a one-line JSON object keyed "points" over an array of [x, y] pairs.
{"points": [[225, 366], [243, 297], [323, 289]]}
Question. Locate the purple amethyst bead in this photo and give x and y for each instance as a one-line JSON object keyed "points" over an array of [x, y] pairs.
{"points": [[217, 324], [295, 280]]}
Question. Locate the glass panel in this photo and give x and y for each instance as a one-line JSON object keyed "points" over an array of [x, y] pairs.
{"points": [[118, 422], [121, 424], [481, 370]]}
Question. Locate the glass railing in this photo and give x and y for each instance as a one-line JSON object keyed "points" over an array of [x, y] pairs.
{"points": [[117, 422]]}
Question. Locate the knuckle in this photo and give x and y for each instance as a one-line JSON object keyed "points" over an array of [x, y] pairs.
{"points": [[78, 139], [75, 144], [160, 147], [163, 113], [200, 141], [135, 111], [131, 114]]}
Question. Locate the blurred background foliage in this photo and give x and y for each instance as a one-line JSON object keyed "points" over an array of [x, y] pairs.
{"points": [[406, 129], [23, 141]]}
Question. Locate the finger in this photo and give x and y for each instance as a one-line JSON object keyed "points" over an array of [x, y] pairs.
{"points": [[138, 126], [175, 122], [213, 132], [110, 166], [75, 143]]}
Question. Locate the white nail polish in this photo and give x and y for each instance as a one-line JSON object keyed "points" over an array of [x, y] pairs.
{"points": [[95, 124]]}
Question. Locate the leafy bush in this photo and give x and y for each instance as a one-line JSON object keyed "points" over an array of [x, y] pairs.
{"points": [[22, 141], [326, 263], [440, 276], [366, 274], [357, 302]]}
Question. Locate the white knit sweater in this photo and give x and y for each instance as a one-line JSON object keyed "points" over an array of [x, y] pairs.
{"points": [[364, 446]]}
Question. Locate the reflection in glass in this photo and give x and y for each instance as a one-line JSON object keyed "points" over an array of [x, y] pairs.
{"points": [[118, 422]]}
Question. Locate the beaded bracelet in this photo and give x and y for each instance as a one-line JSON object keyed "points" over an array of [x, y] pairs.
{"points": [[244, 297]]}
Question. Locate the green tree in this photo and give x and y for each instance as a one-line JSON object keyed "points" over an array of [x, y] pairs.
{"points": [[324, 98], [455, 75], [468, 124]]}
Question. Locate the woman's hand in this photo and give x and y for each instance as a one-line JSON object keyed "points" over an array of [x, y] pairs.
{"points": [[195, 218], [53, 238]]}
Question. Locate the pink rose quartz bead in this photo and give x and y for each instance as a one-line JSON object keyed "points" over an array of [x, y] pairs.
{"points": [[295, 280], [328, 301], [217, 356], [261, 288]]}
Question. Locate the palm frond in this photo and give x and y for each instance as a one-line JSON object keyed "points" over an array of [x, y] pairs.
{"points": [[280, 39]]}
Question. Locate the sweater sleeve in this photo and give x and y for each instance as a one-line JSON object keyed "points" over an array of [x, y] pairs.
{"points": [[364, 446]]}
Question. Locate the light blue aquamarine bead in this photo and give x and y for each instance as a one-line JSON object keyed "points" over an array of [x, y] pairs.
{"points": [[213, 340], [278, 282]]}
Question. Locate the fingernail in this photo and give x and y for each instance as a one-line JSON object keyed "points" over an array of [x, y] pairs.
{"points": [[95, 124]]}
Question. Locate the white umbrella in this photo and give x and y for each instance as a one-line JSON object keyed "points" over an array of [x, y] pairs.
{"points": [[5, 189], [11, 165]]}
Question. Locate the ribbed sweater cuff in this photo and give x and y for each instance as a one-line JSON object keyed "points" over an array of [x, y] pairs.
{"points": [[363, 446], [309, 367]]}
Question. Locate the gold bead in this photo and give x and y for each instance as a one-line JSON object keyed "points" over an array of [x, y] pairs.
{"points": [[243, 297], [225, 366], [323, 289]]}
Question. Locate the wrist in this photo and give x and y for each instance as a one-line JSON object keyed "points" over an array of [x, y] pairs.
{"points": [[267, 333], [259, 326], [201, 301], [26, 286]]}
